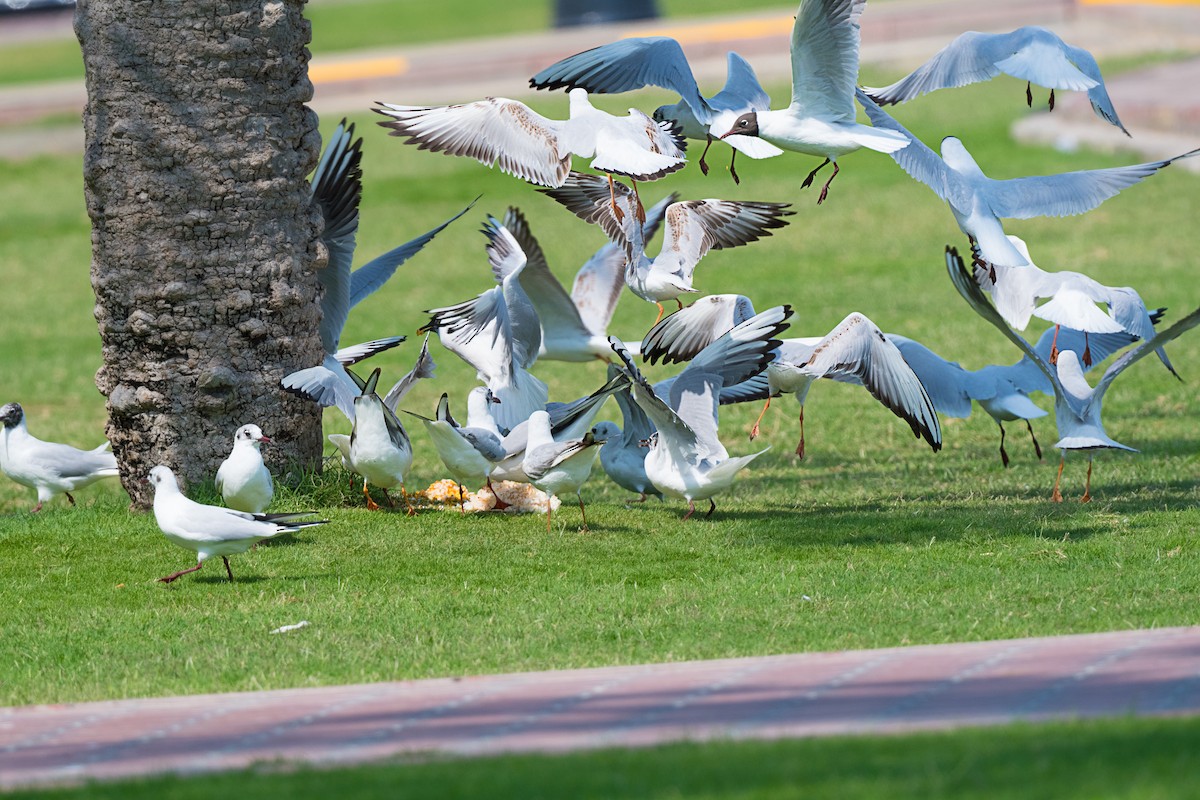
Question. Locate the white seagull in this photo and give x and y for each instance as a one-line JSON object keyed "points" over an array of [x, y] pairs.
{"points": [[212, 530], [1032, 53], [820, 119], [693, 227], [337, 190], [1077, 404], [243, 479], [854, 351], [380, 450], [623, 455], [686, 458], [1072, 299], [522, 142], [498, 332], [979, 202], [642, 61], [559, 466], [469, 453], [575, 326], [49, 467]]}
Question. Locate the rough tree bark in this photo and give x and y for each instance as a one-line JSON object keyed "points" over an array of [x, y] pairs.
{"points": [[204, 242]]}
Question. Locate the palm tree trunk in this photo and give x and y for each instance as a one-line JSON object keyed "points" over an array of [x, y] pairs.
{"points": [[204, 240]]}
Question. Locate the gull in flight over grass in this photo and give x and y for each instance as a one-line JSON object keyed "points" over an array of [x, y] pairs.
{"points": [[1077, 404], [575, 326], [692, 228], [243, 479], [1032, 53], [637, 62], [686, 458], [854, 351], [50, 468], [213, 530], [979, 202], [556, 466], [337, 191], [498, 331], [499, 131], [819, 120], [1072, 302]]}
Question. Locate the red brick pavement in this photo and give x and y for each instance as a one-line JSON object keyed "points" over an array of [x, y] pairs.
{"points": [[1141, 672]]}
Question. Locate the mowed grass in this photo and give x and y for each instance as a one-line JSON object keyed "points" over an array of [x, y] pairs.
{"points": [[871, 541], [1130, 758]]}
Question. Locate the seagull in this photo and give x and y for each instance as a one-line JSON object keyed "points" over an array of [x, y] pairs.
{"points": [[567, 421], [1077, 404], [243, 479], [498, 332], [685, 458], [49, 467], [693, 227], [558, 466], [423, 368], [979, 202], [337, 190], [1032, 53], [575, 326], [497, 130], [212, 530], [1072, 299], [380, 450], [820, 119], [952, 389], [470, 453], [642, 61], [623, 455], [854, 351]]}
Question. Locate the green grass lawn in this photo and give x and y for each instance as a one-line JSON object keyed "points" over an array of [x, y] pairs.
{"points": [[871, 541], [1142, 759]]}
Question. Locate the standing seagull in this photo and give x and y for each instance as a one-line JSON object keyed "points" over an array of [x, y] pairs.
{"points": [[337, 191], [48, 467], [497, 130], [380, 450], [820, 119], [559, 466], [641, 61], [979, 202], [243, 479], [1076, 404], [212, 530], [624, 453], [686, 458], [693, 227], [470, 453], [1031, 53]]}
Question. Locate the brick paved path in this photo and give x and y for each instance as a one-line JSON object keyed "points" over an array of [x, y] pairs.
{"points": [[1144, 672]]}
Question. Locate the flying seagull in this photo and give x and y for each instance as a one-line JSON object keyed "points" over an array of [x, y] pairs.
{"points": [[1077, 404], [641, 61], [1032, 53], [979, 202], [820, 119]]}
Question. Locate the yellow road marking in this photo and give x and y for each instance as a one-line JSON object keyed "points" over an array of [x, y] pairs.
{"points": [[358, 69], [720, 31]]}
